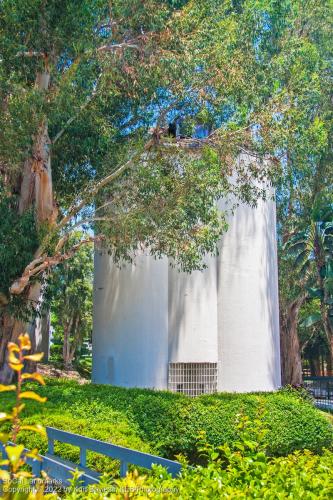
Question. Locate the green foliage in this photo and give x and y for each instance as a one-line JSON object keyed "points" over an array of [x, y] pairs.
{"points": [[69, 296], [302, 126], [169, 424], [117, 429], [15, 457], [208, 62], [244, 473], [174, 209], [239, 470], [237, 464], [256, 72], [19, 241], [311, 251]]}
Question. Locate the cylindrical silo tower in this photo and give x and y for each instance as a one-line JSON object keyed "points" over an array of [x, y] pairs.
{"points": [[216, 329]]}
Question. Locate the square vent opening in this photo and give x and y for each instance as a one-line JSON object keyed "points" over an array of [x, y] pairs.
{"points": [[193, 379]]}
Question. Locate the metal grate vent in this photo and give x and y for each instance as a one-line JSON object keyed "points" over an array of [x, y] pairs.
{"points": [[193, 379]]}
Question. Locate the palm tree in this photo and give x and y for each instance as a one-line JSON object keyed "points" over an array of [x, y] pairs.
{"points": [[312, 251]]}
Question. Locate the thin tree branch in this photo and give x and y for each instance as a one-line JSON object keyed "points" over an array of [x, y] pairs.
{"points": [[90, 98], [107, 180], [30, 53], [114, 46], [89, 220], [39, 265], [81, 108]]}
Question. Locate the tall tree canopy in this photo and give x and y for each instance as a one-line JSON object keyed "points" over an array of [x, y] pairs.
{"points": [[87, 91]]}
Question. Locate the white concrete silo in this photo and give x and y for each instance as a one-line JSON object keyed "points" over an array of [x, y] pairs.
{"points": [[156, 327], [248, 311]]}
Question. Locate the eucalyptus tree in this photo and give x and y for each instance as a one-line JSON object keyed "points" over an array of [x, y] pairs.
{"points": [[87, 90]]}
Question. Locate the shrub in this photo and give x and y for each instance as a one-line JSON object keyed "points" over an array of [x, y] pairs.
{"points": [[232, 437], [14, 476], [116, 430], [299, 475], [241, 471], [169, 424]]}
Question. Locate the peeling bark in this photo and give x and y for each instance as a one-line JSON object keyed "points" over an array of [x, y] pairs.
{"points": [[37, 192], [41, 169], [41, 264], [10, 330], [27, 187]]}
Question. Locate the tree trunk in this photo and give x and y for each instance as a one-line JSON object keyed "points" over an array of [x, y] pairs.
{"points": [[10, 330], [315, 369], [291, 365], [66, 346], [329, 371], [36, 190], [328, 330], [42, 334], [76, 340]]}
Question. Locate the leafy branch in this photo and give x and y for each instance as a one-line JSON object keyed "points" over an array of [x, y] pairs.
{"points": [[15, 455]]}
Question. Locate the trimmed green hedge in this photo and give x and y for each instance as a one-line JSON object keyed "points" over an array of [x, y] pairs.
{"points": [[169, 424]]}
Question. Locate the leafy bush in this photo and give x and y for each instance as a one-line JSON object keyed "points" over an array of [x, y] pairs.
{"points": [[169, 424], [241, 471], [230, 436], [15, 479], [116, 429], [299, 475]]}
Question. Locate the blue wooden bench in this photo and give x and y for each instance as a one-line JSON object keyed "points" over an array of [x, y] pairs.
{"points": [[62, 470]]}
